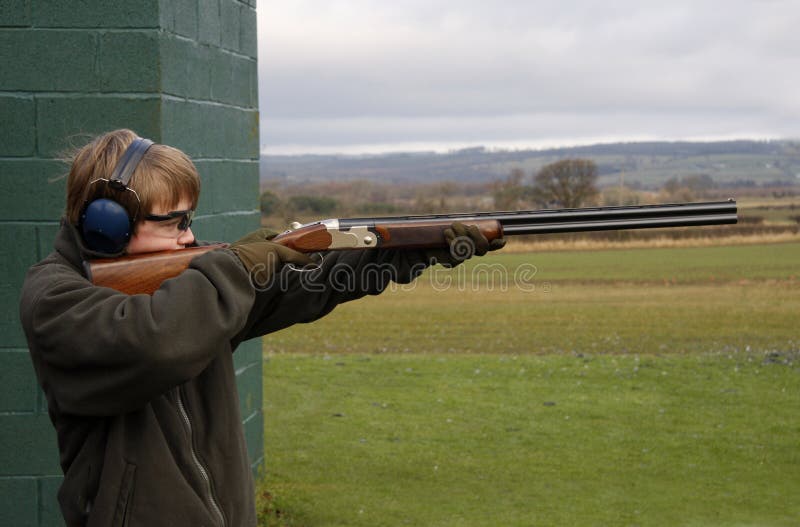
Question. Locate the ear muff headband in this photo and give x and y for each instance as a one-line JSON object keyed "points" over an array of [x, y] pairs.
{"points": [[130, 160]]}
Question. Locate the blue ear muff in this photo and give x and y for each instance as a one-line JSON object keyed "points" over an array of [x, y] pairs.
{"points": [[104, 223], [105, 226]]}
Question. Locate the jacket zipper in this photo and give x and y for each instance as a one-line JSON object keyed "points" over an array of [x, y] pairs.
{"points": [[200, 468]]}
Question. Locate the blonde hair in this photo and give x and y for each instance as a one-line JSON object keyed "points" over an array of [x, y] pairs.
{"points": [[164, 176]]}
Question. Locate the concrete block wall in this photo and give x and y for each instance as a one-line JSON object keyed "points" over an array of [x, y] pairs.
{"points": [[181, 72]]}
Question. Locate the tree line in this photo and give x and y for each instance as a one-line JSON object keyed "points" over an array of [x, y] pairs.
{"points": [[567, 183]]}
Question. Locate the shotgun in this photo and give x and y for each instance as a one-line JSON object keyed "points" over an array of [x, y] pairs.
{"points": [[144, 273]]}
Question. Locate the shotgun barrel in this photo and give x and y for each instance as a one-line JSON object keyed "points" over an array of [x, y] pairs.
{"points": [[614, 218], [720, 212]]}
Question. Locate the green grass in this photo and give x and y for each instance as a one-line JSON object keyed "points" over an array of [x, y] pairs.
{"points": [[582, 318], [673, 265], [641, 387], [533, 440], [625, 301]]}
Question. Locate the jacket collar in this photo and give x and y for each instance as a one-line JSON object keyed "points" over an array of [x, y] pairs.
{"points": [[69, 244]]}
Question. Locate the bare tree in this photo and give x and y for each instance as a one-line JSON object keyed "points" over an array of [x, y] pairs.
{"points": [[567, 183], [510, 193]]}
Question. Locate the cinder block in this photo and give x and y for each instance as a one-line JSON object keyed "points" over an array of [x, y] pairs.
{"points": [[248, 382], [248, 353], [231, 79], [10, 329], [45, 236], [185, 17], [245, 82], [18, 135], [15, 13], [242, 185], [18, 389], [222, 79], [18, 251], [198, 71], [185, 68], [47, 60], [206, 203], [253, 65], [228, 186], [106, 14], [36, 178], [50, 513], [210, 131], [248, 39], [188, 126], [18, 502], [209, 25], [41, 402], [166, 16], [213, 175], [230, 20], [254, 435], [28, 446], [129, 61], [72, 121], [226, 228]]}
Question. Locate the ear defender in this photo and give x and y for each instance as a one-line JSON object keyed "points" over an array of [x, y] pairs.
{"points": [[105, 224]]}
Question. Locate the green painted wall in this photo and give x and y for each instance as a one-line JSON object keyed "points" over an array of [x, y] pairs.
{"points": [[181, 72]]}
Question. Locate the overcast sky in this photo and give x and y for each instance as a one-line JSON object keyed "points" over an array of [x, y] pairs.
{"points": [[359, 76]]}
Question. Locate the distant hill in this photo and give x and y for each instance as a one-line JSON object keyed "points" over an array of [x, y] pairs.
{"points": [[643, 165]]}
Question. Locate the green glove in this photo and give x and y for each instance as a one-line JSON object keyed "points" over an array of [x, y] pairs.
{"points": [[259, 235], [263, 258], [464, 242]]}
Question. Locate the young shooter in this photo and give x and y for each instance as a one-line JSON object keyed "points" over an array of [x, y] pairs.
{"points": [[141, 389]]}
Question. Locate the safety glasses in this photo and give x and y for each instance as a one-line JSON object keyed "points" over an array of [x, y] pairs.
{"points": [[185, 216]]}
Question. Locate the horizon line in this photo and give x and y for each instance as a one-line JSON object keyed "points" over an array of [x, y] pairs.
{"points": [[434, 147]]}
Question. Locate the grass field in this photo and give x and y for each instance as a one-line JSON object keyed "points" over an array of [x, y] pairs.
{"points": [[628, 387]]}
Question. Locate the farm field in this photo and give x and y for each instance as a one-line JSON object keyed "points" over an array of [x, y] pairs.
{"points": [[619, 387]]}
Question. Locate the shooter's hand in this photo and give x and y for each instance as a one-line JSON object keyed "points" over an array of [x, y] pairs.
{"points": [[464, 242], [264, 257]]}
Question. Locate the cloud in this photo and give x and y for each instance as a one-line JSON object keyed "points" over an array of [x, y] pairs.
{"points": [[360, 72]]}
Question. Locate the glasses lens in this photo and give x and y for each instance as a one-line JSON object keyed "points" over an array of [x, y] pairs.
{"points": [[186, 221], [184, 215]]}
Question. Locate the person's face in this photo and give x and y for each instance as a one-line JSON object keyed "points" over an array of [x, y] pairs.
{"points": [[151, 236]]}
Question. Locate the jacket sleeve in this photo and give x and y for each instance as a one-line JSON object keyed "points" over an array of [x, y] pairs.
{"points": [[104, 352], [295, 296]]}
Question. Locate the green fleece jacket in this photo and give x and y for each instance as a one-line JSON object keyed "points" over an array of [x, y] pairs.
{"points": [[141, 389]]}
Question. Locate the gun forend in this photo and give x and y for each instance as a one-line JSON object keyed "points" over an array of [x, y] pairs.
{"points": [[330, 235]]}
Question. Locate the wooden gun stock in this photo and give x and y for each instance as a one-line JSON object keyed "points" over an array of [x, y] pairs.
{"points": [[143, 273]]}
